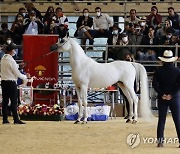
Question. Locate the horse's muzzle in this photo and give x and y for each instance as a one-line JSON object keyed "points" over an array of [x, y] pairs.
{"points": [[54, 47]]}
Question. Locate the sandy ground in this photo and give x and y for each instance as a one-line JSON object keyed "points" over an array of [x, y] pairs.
{"points": [[64, 137]]}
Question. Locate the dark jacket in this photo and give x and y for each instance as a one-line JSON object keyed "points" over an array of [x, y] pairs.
{"points": [[146, 41], [166, 80], [81, 22], [156, 21], [175, 21]]}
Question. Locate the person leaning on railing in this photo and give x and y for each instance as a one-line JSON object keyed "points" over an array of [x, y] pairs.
{"points": [[113, 40], [148, 53], [120, 53], [167, 39]]}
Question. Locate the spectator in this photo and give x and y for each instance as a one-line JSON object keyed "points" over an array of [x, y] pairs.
{"points": [[131, 21], [175, 41], [174, 17], [102, 24], [143, 25], [47, 20], [9, 41], [59, 19], [121, 52], [23, 11], [154, 19], [30, 7], [5, 32], [113, 40], [18, 31], [83, 25], [162, 31], [136, 37], [148, 53], [33, 25], [166, 39], [2, 42]]}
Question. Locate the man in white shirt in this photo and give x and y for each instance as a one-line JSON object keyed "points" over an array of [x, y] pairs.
{"points": [[102, 23], [9, 76]]}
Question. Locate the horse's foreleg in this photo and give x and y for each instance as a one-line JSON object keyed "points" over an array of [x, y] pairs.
{"points": [[80, 105], [84, 100]]}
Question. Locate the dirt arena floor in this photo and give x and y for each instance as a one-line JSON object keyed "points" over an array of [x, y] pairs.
{"points": [[63, 137]]}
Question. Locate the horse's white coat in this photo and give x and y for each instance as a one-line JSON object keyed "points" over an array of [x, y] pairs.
{"points": [[87, 73]]}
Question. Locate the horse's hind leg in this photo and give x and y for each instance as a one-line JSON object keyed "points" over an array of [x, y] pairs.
{"points": [[80, 106], [126, 93], [135, 100]]}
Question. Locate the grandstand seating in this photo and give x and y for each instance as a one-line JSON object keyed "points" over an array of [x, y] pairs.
{"points": [[113, 7]]}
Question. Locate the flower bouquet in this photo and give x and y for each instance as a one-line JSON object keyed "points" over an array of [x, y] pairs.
{"points": [[41, 112]]}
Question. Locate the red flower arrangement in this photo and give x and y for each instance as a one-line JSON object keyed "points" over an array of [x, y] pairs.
{"points": [[42, 110]]}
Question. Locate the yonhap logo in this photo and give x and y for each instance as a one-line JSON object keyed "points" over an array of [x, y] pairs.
{"points": [[133, 140]]}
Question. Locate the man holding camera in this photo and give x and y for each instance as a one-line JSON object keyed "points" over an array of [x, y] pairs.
{"points": [[131, 21]]}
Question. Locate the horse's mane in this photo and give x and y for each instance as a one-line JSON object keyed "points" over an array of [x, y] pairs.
{"points": [[76, 45], [79, 49]]}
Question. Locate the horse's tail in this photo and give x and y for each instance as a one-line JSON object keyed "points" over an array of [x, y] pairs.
{"points": [[144, 106]]}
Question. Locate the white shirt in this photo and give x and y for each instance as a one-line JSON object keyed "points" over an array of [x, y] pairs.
{"points": [[102, 22], [9, 69], [32, 28], [62, 20]]}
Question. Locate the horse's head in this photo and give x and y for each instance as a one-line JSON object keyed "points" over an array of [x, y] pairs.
{"points": [[63, 44]]}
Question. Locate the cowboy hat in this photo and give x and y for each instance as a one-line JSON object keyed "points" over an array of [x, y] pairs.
{"points": [[142, 19], [168, 56]]}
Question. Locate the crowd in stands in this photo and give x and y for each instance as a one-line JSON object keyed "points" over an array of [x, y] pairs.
{"points": [[146, 30]]}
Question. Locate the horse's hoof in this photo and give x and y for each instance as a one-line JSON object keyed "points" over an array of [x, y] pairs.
{"points": [[128, 121], [84, 122], [77, 122], [134, 121]]}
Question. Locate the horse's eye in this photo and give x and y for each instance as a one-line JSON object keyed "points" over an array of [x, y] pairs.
{"points": [[62, 41]]}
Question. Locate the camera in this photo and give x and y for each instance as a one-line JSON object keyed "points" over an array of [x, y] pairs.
{"points": [[131, 24]]}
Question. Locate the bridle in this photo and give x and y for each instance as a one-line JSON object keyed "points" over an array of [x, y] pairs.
{"points": [[62, 41]]}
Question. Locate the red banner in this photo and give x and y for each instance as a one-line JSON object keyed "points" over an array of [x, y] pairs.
{"points": [[42, 65]]}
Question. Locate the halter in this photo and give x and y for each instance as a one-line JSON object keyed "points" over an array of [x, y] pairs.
{"points": [[62, 42]]}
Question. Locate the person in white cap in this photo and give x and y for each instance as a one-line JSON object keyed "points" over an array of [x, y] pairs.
{"points": [[166, 82]]}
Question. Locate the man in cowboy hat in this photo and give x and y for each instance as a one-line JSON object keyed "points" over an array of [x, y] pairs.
{"points": [[166, 82]]}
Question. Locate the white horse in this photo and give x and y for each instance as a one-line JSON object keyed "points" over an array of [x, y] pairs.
{"points": [[87, 73]]}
